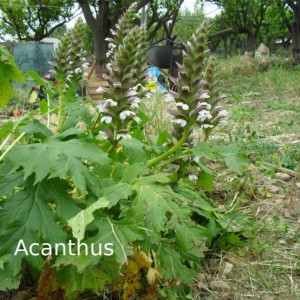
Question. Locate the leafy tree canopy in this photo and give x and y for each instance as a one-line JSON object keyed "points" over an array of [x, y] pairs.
{"points": [[32, 19]]}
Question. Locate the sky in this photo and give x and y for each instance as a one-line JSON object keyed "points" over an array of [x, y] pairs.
{"points": [[209, 9]]}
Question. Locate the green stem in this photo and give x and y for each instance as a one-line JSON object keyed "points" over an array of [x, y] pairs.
{"points": [[48, 112], [11, 146], [60, 110], [176, 147], [96, 121], [5, 141], [160, 167]]}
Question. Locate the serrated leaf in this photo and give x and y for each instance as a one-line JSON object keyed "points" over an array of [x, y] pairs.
{"points": [[170, 263], [234, 160], [56, 158], [8, 281], [134, 151], [8, 182], [132, 172], [120, 233], [29, 210], [85, 217], [205, 178], [77, 112], [116, 192], [37, 129], [92, 279], [204, 150], [3, 260], [189, 235]]}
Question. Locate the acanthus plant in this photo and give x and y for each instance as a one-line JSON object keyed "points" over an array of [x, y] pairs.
{"points": [[119, 107], [73, 185]]}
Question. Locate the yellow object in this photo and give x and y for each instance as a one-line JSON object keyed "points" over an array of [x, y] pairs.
{"points": [[32, 97]]}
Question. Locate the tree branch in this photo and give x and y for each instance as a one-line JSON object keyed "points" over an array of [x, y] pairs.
{"points": [[88, 15]]}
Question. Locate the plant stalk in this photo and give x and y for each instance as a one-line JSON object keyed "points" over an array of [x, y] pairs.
{"points": [[11, 146], [176, 147]]}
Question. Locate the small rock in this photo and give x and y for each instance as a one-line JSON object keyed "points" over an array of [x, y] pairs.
{"points": [[286, 214], [272, 188], [282, 176], [280, 182], [282, 242], [296, 246], [200, 277], [298, 184], [219, 286], [226, 268]]}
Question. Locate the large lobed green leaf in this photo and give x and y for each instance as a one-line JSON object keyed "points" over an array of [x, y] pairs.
{"points": [[56, 158], [32, 215]]}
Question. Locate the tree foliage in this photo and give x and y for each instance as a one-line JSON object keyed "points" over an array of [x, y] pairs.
{"points": [[245, 17], [31, 20], [187, 22]]}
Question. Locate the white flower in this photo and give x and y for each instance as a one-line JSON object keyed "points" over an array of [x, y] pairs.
{"points": [[204, 115], [109, 66], [149, 95], [205, 126], [111, 46], [207, 106], [113, 32], [102, 108], [69, 77], [184, 106], [204, 96], [180, 122], [135, 88], [222, 113], [78, 71], [117, 85], [111, 102], [85, 65], [135, 103], [169, 98], [124, 136], [193, 177], [100, 90], [196, 159], [126, 113], [185, 88], [108, 54], [131, 93], [106, 119], [103, 135], [137, 119]]}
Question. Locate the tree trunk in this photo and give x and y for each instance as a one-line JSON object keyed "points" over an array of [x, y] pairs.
{"points": [[100, 47], [225, 45], [296, 34], [251, 43]]}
